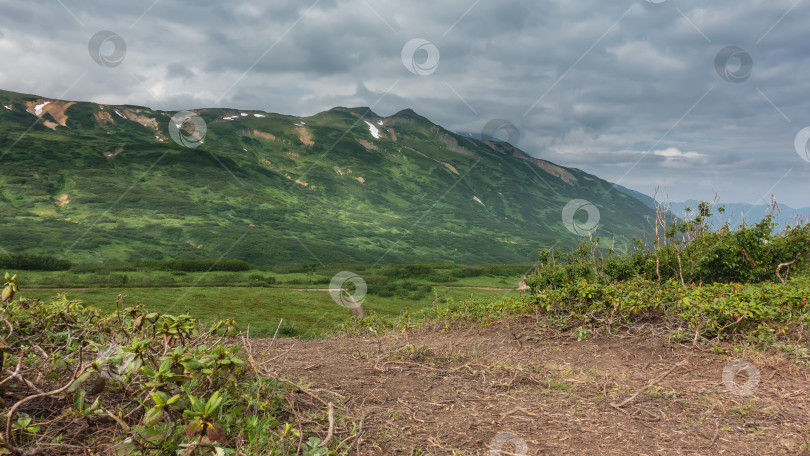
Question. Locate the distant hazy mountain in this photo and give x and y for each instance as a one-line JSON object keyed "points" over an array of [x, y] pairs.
{"points": [[647, 200], [736, 213], [97, 182]]}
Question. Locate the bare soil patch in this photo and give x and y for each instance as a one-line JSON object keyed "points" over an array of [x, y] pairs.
{"points": [[62, 200], [368, 145], [56, 109], [103, 118], [305, 136], [451, 168], [462, 390], [262, 135], [135, 116]]}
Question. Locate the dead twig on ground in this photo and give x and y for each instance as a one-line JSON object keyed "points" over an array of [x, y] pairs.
{"points": [[331, 418], [650, 383]]}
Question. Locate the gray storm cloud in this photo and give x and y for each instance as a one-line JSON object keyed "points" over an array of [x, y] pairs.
{"points": [[591, 84]]}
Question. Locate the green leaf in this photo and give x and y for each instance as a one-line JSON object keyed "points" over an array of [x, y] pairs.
{"points": [[78, 400], [159, 397], [96, 405], [314, 442], [173, 399], [213, 403], [23, 421], [177, 378], [153, 416], [193, 364], [165, 366], [197, 404]]}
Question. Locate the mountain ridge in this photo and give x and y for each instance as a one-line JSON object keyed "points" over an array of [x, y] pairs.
{"points": [[346, 184]]}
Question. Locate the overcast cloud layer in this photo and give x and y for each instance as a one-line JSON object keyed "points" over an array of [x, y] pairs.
{"points": [[627, 89]]}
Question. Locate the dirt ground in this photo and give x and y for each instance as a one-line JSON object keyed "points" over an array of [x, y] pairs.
{"points": [[520, 389]]}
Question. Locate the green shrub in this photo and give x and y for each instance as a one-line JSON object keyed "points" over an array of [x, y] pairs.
{"points": [[692, 254], [194, 265], [143, 383], [756, 310], [32, 262]]}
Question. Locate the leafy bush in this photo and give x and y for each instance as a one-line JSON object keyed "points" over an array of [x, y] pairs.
{"points": [[194, 265], [759, 311], [122, 266], [32, 262], [690, 253], [260, 280], [748, 254], [75, 381], [387, 287]]}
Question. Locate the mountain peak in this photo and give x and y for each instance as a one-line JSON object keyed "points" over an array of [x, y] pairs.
{"points": [[409, 113], [364, 111]]}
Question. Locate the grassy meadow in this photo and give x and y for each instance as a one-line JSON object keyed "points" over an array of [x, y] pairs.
{"points": [[262, 298]]}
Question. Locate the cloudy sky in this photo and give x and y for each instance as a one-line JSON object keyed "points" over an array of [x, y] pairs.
{"points": [[692, 96]]}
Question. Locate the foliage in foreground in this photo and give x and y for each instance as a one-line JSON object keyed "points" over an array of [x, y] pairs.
{"points": [[689, 253], [748, 283], [757, 312], [139, 383], [761, 313]]}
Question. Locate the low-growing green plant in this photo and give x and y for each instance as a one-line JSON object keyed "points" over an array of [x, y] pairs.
{"points": [[76, 381], [761, 313], [766, 311]]}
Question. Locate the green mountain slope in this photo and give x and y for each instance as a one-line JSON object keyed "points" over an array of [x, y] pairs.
{"points": [[97, 182]]}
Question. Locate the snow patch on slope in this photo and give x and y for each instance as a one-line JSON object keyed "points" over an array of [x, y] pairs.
{"points": [[373, 129], [38, 108]]}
